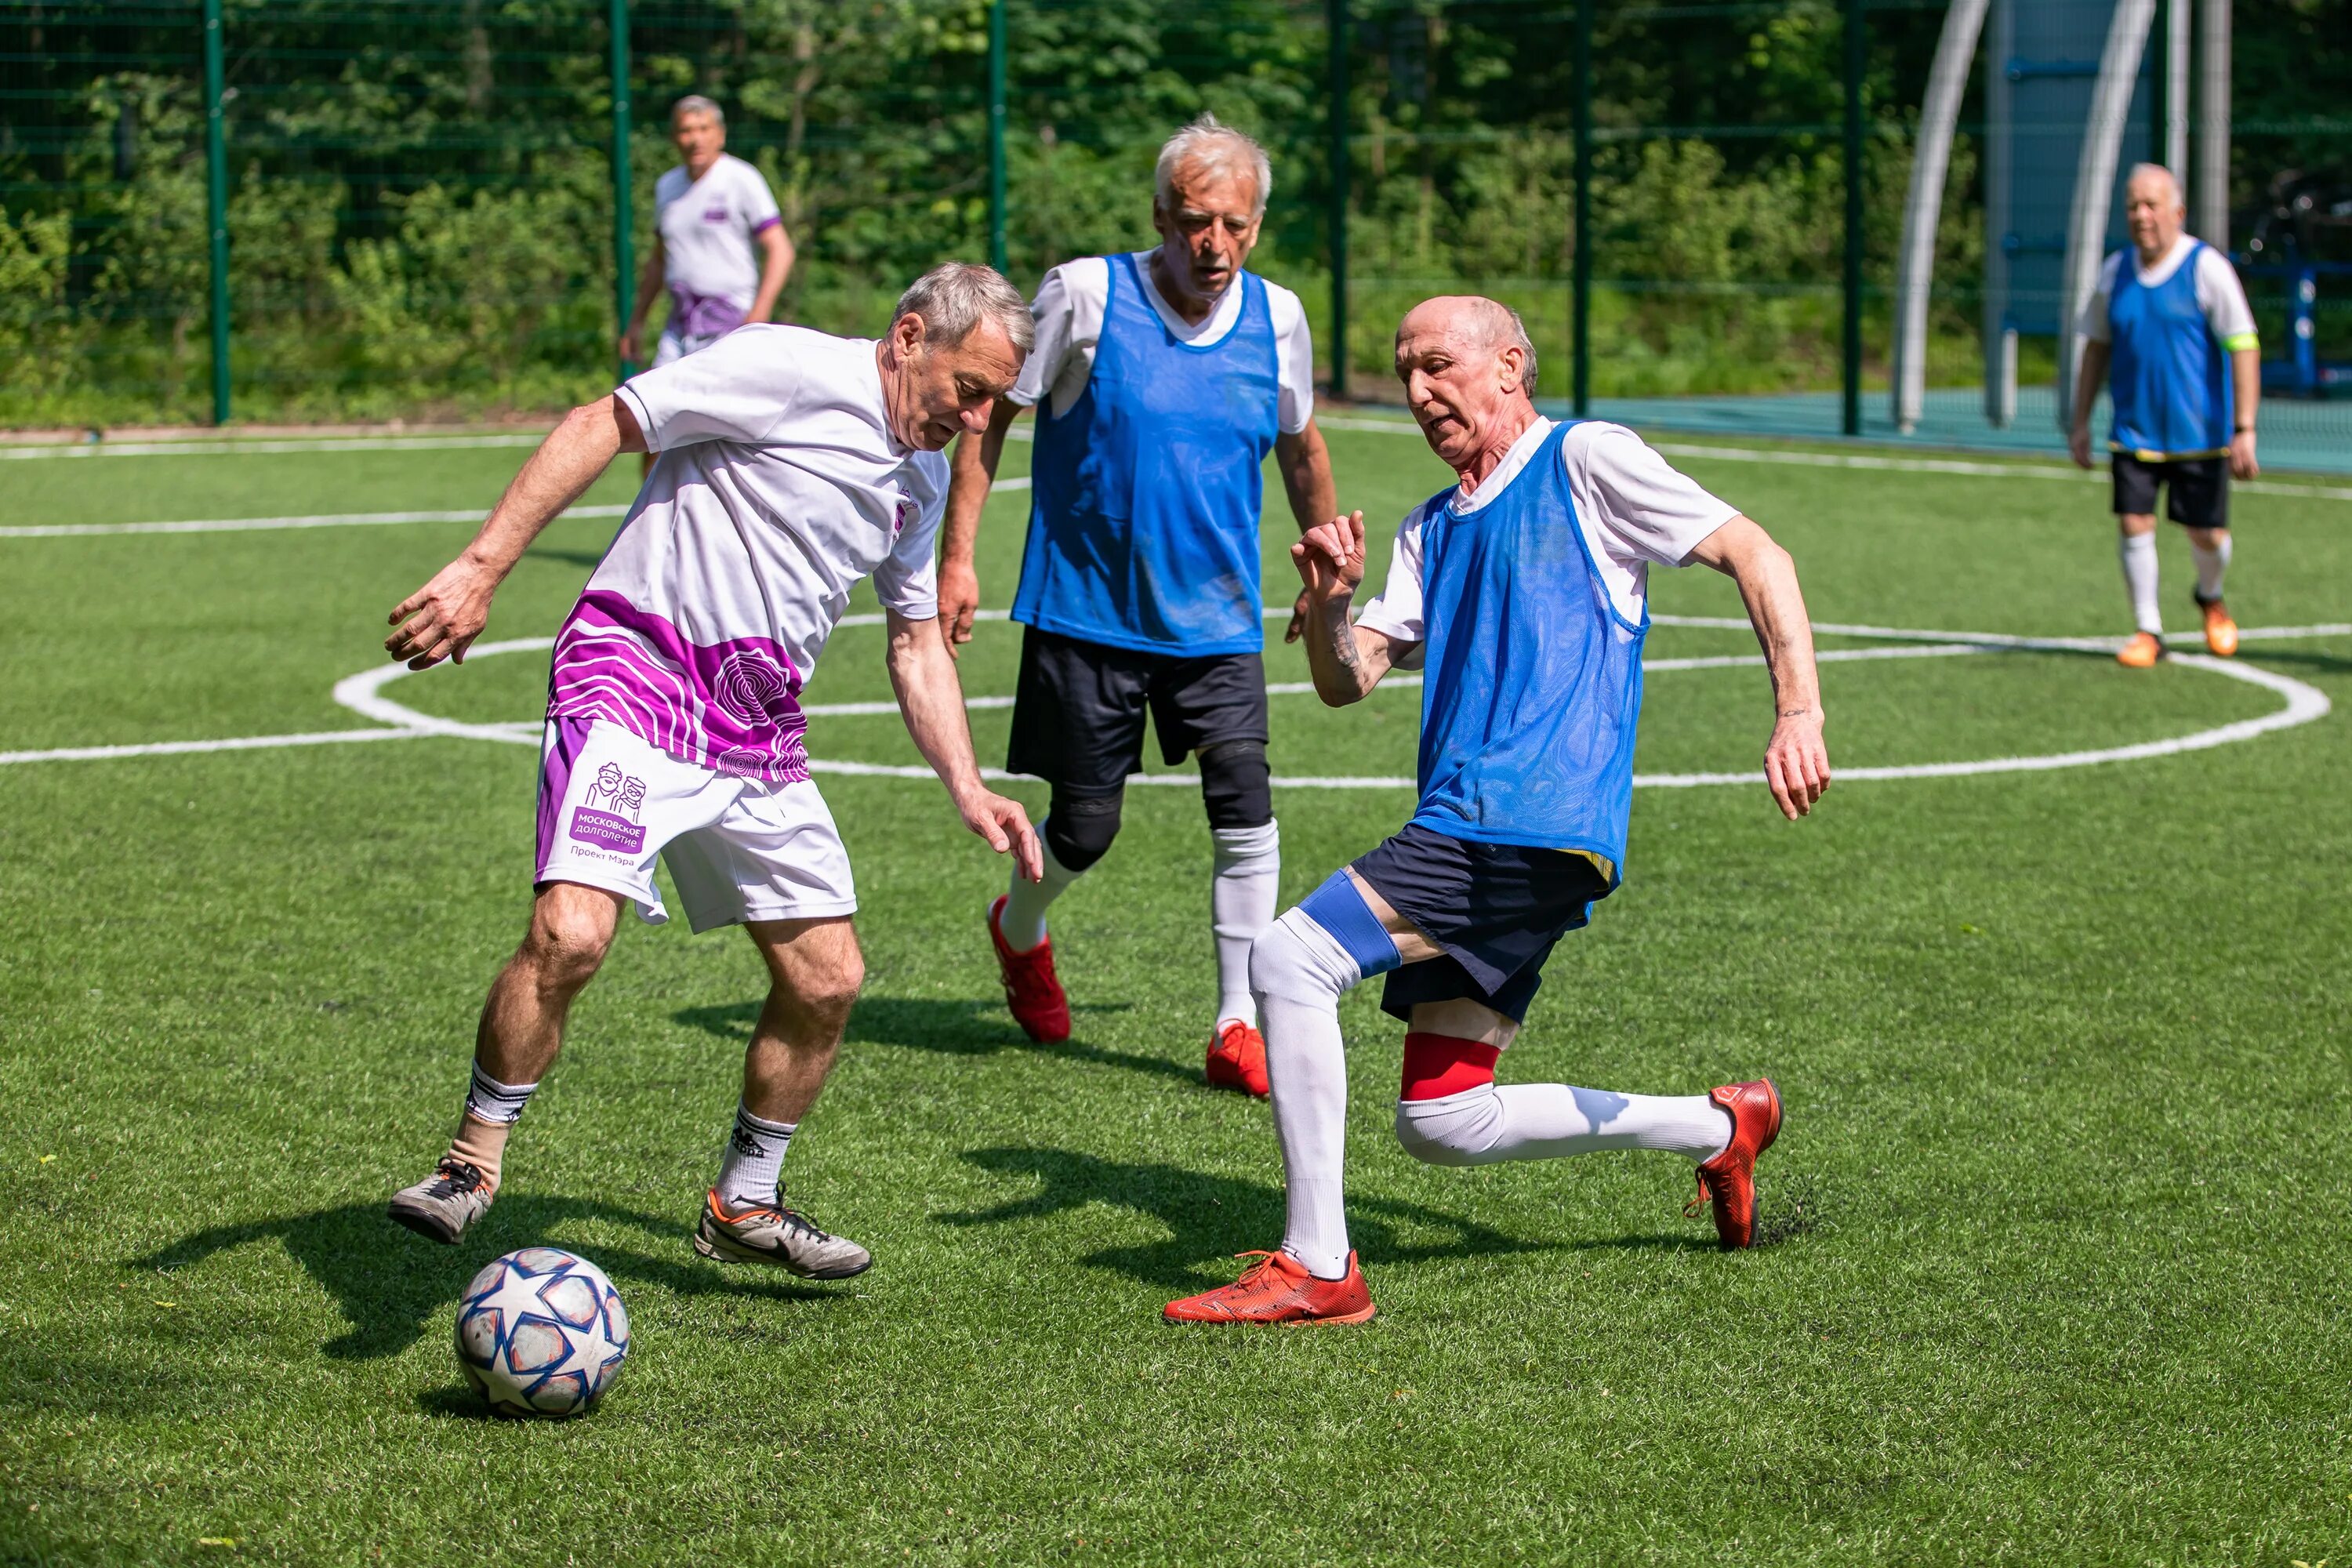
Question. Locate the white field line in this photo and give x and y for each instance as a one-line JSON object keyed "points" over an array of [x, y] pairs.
{"points": [[317, 520], [363, 693], [235, 448]]}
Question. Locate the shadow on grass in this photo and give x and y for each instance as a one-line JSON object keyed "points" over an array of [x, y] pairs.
{"points": [[391, 1284], [1210, 1218], [588, 558], [962, 1027]]}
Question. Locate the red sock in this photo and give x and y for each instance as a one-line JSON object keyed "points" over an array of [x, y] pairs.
{"points": [[1438, 1064]]}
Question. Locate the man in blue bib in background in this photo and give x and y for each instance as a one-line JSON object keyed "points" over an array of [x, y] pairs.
{"points": [[2170, 334], [1161, 380], [1523, 592]]}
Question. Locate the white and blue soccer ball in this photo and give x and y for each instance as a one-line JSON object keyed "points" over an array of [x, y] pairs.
{"points": [[541, 1332]]}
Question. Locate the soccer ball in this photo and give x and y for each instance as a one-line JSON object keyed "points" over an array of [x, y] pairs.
{"points": [[541, 1332]]}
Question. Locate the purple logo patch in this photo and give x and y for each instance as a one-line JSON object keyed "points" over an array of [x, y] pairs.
{"points": [[605, 831], [714, 215]]}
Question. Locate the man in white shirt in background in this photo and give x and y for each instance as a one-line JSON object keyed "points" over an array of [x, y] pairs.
{"points": [[1162, 379], [2169, 335], [788, 466]]}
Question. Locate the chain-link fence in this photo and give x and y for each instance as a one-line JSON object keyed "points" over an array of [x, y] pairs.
{"points": [[421, 201]]}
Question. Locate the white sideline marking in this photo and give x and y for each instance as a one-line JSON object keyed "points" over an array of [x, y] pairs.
{"points": [[363, 693], [318, 519], [228, 448]]}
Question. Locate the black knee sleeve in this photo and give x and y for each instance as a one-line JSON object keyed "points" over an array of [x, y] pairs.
{"points": [[1080, 825], [1236, 785]]}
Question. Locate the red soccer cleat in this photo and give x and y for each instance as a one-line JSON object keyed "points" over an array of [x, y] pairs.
{"points": [[1729, 1179], [1278, 1289], [1032, 990], [1237, 1060]]}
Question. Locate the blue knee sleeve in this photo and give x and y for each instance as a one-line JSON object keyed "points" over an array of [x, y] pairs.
{"points": [[1339, 908]]}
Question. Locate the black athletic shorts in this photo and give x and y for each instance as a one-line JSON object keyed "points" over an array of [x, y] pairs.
{"points": [[1077, 714], [2197, 489], [1494, 909]]}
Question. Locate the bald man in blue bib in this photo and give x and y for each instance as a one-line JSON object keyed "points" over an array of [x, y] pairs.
{"points": [[1161, 379]]}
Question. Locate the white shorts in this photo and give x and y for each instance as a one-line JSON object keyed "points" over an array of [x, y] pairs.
{"points": [[673, 348], [738, 848]]}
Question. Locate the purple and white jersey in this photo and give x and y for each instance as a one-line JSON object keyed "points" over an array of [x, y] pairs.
{"points": [[707, 228], [777, 487]]}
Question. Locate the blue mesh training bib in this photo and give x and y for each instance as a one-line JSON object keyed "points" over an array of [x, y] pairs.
{"points": [[2169, 377], [1143, 518], [1533, 681]]}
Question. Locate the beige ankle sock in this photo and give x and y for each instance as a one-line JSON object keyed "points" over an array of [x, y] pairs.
{"points": [[482, 1144]]}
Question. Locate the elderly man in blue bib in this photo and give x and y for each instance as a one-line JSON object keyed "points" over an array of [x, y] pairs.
{"points": [[2169, 333], [1161, 379], [1522, 592]]}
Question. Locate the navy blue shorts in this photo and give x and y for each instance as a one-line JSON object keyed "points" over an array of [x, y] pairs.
{"points": [[1494, 909]]}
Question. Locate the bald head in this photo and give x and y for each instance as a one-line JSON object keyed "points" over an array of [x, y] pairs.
{"points": [[1469, 370], [2154, 213]]}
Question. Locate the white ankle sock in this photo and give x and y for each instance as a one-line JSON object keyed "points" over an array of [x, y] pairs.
{"points": [[1546, 1120], [752, 1162], [487, 1099], [1024, 921], [2138, 554], [1241, 906], [2210, 565], [1298, 973]]}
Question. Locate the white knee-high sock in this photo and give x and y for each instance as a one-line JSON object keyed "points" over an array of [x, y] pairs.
{"points": [[1546, 1120], [1024, 907], [1299, 973], [752, 1162], [2210, 565], [1241, 906], [2138, 554]]}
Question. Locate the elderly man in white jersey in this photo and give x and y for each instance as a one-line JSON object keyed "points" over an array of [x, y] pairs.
{"points": [[788, 466], [1523, 593], [2169, 332], [711, 214], [1161, 380]]}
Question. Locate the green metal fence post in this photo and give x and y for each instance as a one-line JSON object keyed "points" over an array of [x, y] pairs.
{"points": [[1336, 16], [1581, 299], [997, 46], [216, 208], [624, 223], [1856, 61], [2159, 84]]}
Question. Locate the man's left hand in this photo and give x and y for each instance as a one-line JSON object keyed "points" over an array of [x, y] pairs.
{"points": [[1005, 825], [1797, 763], [2242, 456]]}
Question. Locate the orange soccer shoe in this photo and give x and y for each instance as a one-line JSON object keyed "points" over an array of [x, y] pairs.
{"points": [[1729, 1179], [1032, 990], [2220, 631], [1278, 1289], [2142, 652], [1237, 1060]]}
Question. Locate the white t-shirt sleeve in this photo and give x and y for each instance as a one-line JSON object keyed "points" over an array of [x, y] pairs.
{"points": [[2094, 324], [1294, 350], [1068, 312], [2223, 300], [1397, 610], [1642, 508], [755, 203], [735, 390], [907, 580]]}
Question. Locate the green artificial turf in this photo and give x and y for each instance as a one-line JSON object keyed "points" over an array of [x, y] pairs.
{"points": [[2058, 1248]]}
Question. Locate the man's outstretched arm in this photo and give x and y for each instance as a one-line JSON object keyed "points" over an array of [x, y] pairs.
{"points": [[1796, 760], [930, 699], [441, 619]]}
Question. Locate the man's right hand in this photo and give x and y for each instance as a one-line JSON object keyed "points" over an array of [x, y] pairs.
{"points": [[442, 619], [632, 345], [1330, 558], [2078, 446], [958, 603]]}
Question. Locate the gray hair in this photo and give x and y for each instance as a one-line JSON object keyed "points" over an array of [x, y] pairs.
{"points": [[1217, 147], [952, 298], [1515, 335], [2179, 197], [694, 103]]}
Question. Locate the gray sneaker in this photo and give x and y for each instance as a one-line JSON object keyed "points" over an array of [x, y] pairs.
{"points": [[777, 1235], [443, 1204]]}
